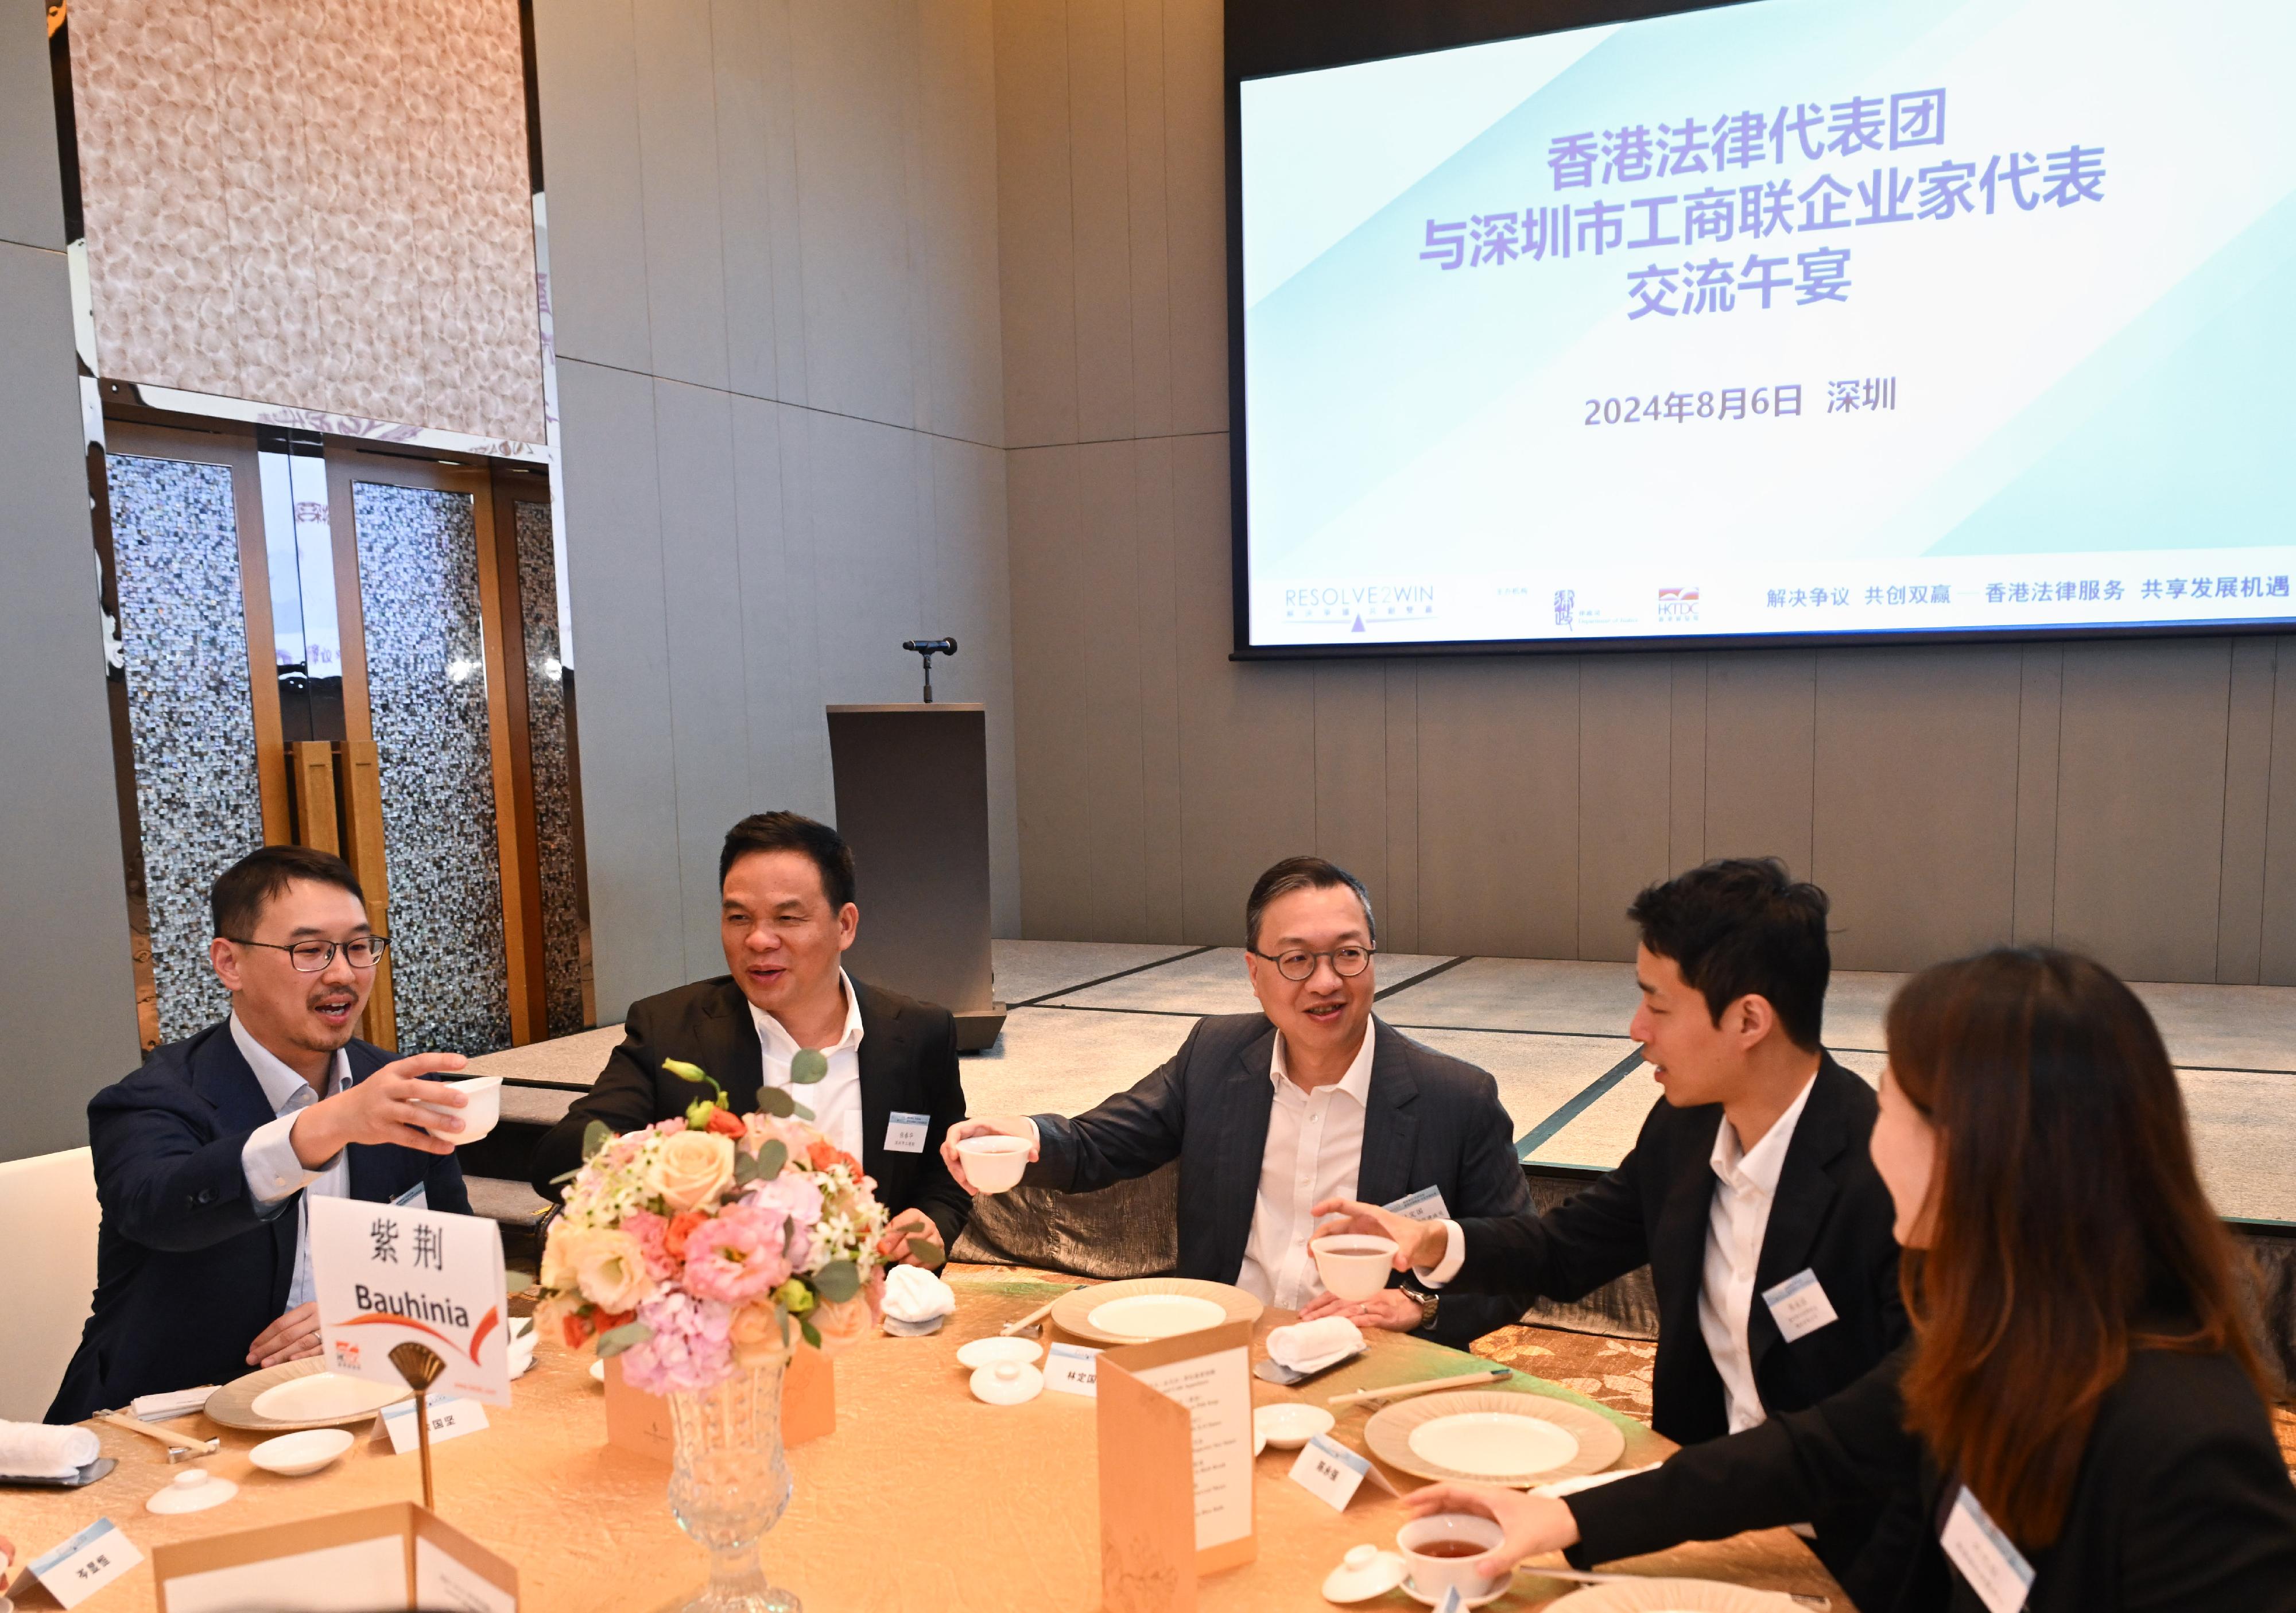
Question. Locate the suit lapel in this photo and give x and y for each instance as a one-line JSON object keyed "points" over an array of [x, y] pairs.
{"points": [[1678, 1242], [221, 1076], [1805, 1196], [1390, 1128], [1244, 1099], [734, 1055], [880, 1059]]}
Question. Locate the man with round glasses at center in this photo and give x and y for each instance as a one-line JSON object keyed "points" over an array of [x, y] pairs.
{"points": [[1267, 1111]]}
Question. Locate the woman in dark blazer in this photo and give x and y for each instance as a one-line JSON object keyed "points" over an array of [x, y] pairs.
{"points": [[2079, 1422]]}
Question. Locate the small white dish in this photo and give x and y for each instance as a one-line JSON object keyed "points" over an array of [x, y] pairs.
{"points": [[1156, 1315], [1354, 1265], [322, 1396], [1007, 1383], [479, 1115], [1287, 1425], [988, 1352], [994, 1163], [292, 1455], [193, 1490]]}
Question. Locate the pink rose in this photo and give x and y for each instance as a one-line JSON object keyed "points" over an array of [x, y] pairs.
{"points": [[793, 1192], [736, 1258], [651, 1232]]}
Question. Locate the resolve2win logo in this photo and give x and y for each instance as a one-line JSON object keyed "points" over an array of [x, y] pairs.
{"points": [[1677, 604]]}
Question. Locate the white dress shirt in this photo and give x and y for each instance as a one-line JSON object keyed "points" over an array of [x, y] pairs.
{"points": [[1314, 1152], [835, 1100], [273, 1173], [1745, 1183]]}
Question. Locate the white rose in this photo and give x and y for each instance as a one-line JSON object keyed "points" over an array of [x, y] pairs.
{"points": [[607, 1266]]}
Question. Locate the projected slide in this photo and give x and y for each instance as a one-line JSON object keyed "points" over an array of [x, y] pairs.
{"points": [[1793, 316]]}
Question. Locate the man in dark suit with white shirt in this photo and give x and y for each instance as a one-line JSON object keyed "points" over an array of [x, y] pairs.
{"points": [[888, 1081], [1313, 1096], [1748, 1194], [206, 1157]]}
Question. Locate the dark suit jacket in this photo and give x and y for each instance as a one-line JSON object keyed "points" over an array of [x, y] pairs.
{"points": [[187, 1272], [909, 1062], [2182, 1501], [1430, 1121]]}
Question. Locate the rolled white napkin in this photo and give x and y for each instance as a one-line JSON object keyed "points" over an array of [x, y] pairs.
{"points": [[39, 1450], [915, 1295], [173, 1403], [1305, 1346]]}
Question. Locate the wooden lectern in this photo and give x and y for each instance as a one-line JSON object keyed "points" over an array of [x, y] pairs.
{"points": [[912, 802]]}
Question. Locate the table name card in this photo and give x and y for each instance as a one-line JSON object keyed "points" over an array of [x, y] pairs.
{"points": [[1070, 1369], [388, 1274], [451, 1416], [1174, 1436], [1329, 1472], [399, 1556], [84, 1564]]}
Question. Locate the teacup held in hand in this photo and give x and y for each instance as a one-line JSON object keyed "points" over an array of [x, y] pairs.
{"points": [[993, 1163], [1353, 1265]]}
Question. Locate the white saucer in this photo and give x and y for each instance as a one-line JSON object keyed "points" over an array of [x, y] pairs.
{"points": [[1421, 1597], [1287, 1425], [990, 1351]]}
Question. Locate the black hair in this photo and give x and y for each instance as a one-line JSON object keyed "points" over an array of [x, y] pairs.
{"points": [[1301, 873], [1744, 926], [244, 890], [790, 831]]}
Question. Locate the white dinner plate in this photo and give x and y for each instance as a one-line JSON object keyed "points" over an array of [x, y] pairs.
{"points": [[1491, 1445], [1157, 1315], [325, 1395]]}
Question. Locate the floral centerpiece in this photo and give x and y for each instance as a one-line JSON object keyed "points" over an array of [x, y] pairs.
{"points": [[695, 1250]]}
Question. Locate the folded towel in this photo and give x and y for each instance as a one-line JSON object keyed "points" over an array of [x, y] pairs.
{"points": [[1306, 1346], [38, 1450], [174, 1403], [914, 1295]]}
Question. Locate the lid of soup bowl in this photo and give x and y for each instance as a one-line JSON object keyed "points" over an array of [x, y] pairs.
{"points": [[1363, 1573]]}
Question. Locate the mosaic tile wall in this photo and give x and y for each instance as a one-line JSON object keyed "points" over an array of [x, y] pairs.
{"points": [[554, 789], [426, 687], [183, 630]]}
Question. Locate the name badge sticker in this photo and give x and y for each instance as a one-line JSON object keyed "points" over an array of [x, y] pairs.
{"points": [[1987, 1558], [84, 1564], [1071, 1369], [417, 1197], [1798, 1306], [1329, 1472], [905, 1134], [1425, 1205], [450, 1415]]}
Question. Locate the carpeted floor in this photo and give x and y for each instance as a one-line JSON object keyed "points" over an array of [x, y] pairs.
{"points": [[1616, 1371]]}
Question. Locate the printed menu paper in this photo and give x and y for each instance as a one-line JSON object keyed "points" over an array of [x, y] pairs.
{"points": [[386, 1273], [399, 1556], [1174, 1433]]}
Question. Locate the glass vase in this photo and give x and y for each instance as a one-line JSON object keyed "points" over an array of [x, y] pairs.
{"points": [[730, 1484]]}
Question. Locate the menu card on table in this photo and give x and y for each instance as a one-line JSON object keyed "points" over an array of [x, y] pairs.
{"points": [[395, 1556], [1175, 1435], [386, 1273]]}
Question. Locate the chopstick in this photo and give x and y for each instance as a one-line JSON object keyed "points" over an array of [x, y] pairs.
{"points": [[1038, 1315], [1582, 1576], [1397, 1391], [175, 1450]]}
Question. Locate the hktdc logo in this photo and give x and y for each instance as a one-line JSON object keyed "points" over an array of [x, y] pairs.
{"points": [[1677, 604]]}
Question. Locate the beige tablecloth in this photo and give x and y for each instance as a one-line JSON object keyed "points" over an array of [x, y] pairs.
{"points": [[923, 1498]]}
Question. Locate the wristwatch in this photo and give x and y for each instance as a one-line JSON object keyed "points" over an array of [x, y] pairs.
{"points": [[1425, 1301]]}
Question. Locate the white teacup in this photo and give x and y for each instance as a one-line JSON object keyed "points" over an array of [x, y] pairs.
{"points": [[1354, 1265], [479, 1115], [1430, 1576], [994, 1163]]}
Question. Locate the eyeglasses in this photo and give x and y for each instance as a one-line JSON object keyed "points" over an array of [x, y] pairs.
{"points": [[1298, 963], [312, 957]]}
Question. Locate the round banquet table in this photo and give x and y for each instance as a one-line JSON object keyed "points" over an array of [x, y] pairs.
{"points": [[922, 1498]]}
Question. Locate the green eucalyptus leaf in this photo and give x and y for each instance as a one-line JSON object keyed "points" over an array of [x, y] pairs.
{"points": [[772, 1155], [799, 1110], [928, 1251], [745, 1169], [807, 1065], [595, 1136], [776, 1102], [838, 1281], [565, 1175], [615, 1340], [812, 1334]]}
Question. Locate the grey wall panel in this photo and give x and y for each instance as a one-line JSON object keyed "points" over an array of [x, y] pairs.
{"points": [[744, 40], [1099, 118], [2140, 805], [1499, 806], [1147, 196], [962, 387], [586, 74], [1625, 743], [2247, 813], [967, 532], [1036, 239], [1399, 903], [679, 170], [777, 655], [1686, 761], [2276, 951], [1043, 502], [1914, 833], [1761, 715], [1195, 188], [2040, 726], [1350, 778], [622, 679], [67, 997], [1107, 670], [702, 590], [1156, 583], [31, 187]]}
